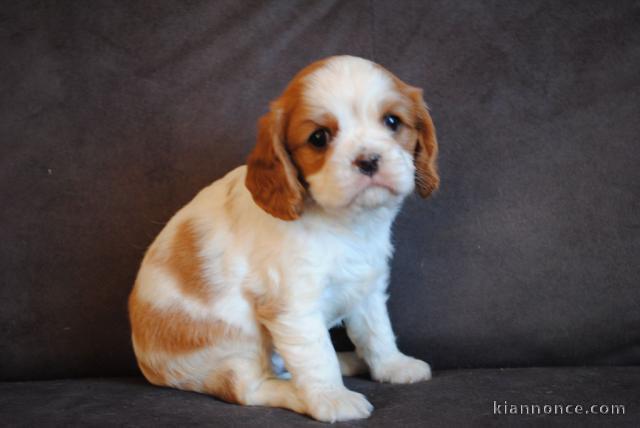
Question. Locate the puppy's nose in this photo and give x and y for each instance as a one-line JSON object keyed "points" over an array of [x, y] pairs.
{"points": [[367, 164]]}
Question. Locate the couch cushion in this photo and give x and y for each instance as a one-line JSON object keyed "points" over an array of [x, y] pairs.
{"points": [[115, 114], [451, 398]]}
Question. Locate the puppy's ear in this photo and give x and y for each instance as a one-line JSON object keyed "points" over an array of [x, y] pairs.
{"points": [[271, 176], [426, 151]]}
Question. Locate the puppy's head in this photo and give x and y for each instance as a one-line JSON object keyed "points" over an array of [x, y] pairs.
{"points": [[345, 133]]}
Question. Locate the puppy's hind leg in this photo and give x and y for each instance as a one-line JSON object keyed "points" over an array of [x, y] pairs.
{"points": [[274, 392], [246, 381], [351, 364]]}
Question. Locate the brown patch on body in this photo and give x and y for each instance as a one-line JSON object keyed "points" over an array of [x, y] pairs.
{"points": [[185, 264], [174, 331]]}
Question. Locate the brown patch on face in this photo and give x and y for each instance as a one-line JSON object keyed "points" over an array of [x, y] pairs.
{"points": [[303, 120], [406, 134], [174, 331], [302, 124], [425, 148], [282, 154]]}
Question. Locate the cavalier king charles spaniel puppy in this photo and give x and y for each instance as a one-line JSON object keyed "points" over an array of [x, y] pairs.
{"points": [[235, 296]]}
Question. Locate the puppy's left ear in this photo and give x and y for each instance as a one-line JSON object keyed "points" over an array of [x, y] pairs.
{"points": [[271, 176], [426, 151]]}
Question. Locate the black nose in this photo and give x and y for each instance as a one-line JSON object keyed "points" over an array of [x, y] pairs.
{"points": [[367, 164]]}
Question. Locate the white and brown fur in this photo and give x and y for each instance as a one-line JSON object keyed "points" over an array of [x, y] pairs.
{"points": [[270, 256]]}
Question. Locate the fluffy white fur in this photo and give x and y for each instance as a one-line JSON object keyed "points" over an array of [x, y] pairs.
{"points": [[328, 266]]}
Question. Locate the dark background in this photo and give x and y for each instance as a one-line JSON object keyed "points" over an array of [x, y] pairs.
{"points": [[114, 114]]}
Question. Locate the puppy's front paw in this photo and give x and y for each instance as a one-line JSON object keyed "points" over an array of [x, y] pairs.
{"points": [[337, 404], [401, 369]]}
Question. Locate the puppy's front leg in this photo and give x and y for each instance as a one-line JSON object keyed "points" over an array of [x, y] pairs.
{"points": [[369, 328], [303, 342]]}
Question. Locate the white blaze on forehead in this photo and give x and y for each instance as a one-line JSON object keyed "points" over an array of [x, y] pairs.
{"points": [[349, 87]]}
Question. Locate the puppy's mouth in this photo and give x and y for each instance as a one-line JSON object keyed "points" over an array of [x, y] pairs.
{"points": [[373, 191], [375, 182]]}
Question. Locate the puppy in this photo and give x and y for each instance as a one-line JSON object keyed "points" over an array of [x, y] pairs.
{"points": [[270, 256]]}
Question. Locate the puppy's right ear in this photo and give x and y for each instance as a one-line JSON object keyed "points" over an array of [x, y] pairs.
{"points": [[272, 178]]}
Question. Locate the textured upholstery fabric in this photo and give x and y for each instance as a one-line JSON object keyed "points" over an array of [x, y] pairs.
{"points": [[114, 114], [458, 398]]}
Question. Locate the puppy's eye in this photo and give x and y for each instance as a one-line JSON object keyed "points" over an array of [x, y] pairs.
{"points": [[392, 122], [319, 138]]}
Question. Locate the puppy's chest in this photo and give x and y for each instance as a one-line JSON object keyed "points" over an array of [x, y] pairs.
{"points": [[353, 272]]}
